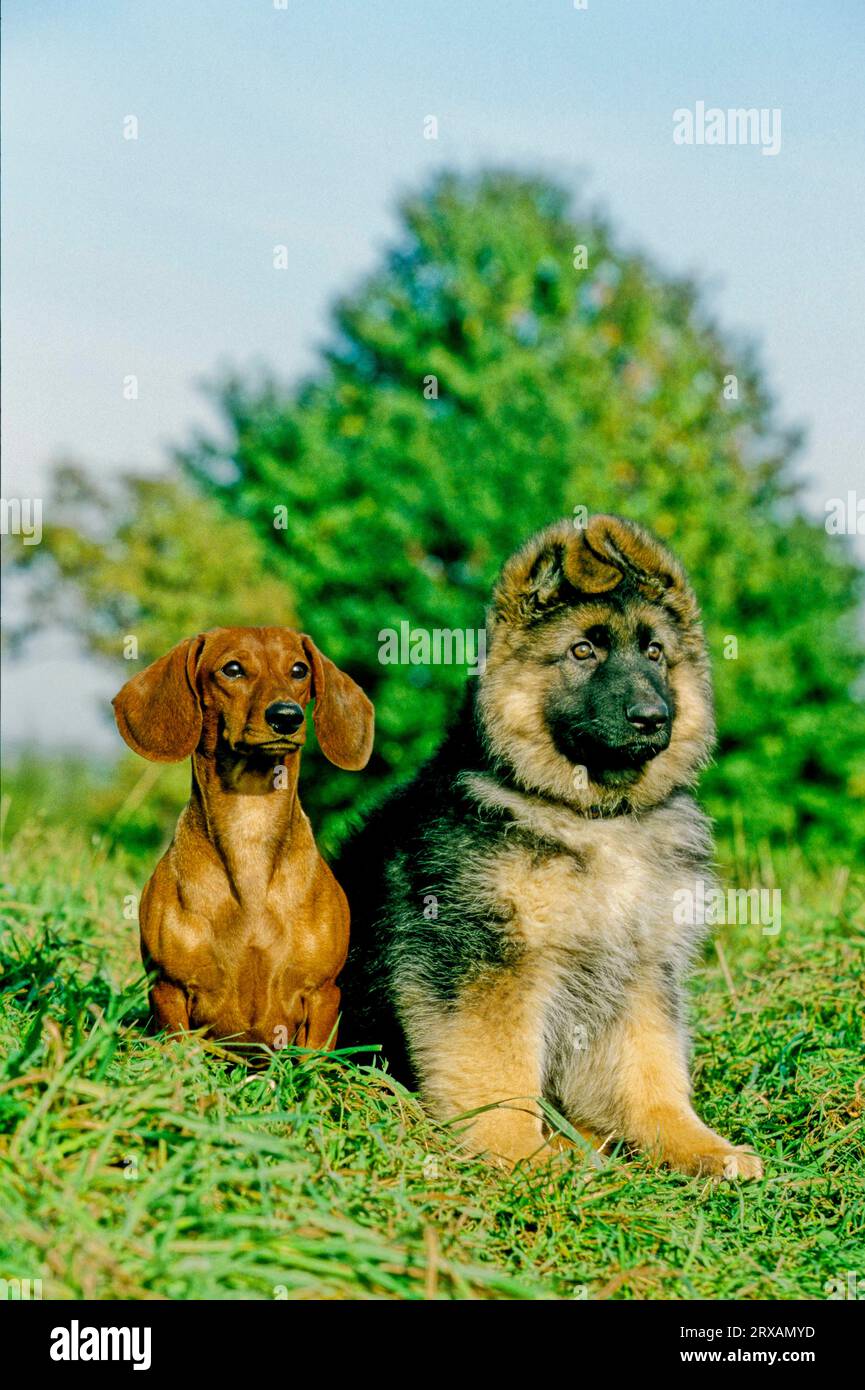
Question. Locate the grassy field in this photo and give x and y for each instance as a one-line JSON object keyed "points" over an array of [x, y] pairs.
{"points": [[136, 1168]]}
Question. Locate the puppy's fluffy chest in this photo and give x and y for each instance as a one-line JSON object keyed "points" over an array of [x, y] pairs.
{"points": [[561, 882]]}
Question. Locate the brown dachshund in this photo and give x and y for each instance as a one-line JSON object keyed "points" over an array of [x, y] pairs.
{"points": [[243, 922]]}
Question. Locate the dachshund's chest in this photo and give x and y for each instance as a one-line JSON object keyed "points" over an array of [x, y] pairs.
{"points": [[256, 983], [254, 992], [249, 963], [261, 942]]}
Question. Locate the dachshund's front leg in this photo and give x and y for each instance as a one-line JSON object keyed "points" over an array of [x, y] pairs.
{"points": [[322, 1016], [170, 1007]]}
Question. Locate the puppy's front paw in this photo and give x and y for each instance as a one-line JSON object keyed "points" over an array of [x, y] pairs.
{"points": [[706, 1154], [741, 1163], [728, 1163]]}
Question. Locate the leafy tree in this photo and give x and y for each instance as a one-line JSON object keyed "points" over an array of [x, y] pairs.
{"points": [[152, 559], [488, 378]]}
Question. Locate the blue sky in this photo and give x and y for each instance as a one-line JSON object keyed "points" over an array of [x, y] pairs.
{"points": [[301, 126]]}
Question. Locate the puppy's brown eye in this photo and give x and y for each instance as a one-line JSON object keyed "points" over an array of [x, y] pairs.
{"points": [[232, 669], [299, 670], [582, 650], [654, 651]]}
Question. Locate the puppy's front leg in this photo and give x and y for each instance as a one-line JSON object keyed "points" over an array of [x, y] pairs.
{"points": [[485, 1052], [654, 1095]]}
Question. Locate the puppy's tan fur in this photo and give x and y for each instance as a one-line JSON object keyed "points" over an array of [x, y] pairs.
{"points": [[555, 964]]}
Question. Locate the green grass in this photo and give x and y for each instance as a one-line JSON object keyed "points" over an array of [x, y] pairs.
{"points": [[131, 1167]]}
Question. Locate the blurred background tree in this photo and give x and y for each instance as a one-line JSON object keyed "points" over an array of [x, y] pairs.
{"points": [[507, 363]]}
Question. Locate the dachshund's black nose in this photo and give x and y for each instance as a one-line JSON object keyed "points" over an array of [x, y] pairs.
{"points": [[284, 716]]}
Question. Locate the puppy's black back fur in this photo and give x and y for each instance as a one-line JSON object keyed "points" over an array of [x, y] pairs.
{"points": [[396, 871]]}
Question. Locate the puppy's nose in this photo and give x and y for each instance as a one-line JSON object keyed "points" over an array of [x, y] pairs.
{"points": [[284, 716], [648, 715]]}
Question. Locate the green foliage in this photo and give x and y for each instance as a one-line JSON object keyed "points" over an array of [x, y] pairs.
{"points": [[555, 388], [154, 560], [130, 803], [132, 1167]]}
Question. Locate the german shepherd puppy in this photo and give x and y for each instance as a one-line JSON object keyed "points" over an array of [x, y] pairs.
{"points": [[514, 933]]}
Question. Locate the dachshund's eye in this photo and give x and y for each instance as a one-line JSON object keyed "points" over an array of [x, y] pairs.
{"points": [[582, 650], [232, 669], [299, 670], [654, 651]]}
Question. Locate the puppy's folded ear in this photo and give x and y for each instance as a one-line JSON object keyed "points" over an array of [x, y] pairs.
{"points": [[561, 565], [549, 571], [640, 557], [158, 712], [611, 540], [343, 716]]}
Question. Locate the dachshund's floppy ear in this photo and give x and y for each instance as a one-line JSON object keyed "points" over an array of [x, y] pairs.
{"points": [[158, 711], [343, 716]]}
